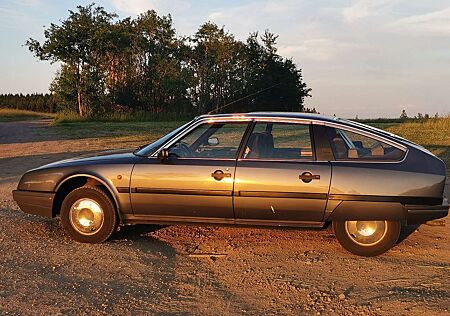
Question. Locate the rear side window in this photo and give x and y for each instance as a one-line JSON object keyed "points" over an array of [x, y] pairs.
{"points": [[348, 145], [279, 141]]}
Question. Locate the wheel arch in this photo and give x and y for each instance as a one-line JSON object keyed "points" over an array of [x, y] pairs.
{"points": [[74, 181], [368, 210]]}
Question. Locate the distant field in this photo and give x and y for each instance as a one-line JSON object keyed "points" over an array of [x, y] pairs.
{"points": [[8, 115]]}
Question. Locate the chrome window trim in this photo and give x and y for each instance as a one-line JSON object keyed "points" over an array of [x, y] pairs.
{"points": [[365, 133], [370, 135], [206, 158], [250, 118], [296, 160]]}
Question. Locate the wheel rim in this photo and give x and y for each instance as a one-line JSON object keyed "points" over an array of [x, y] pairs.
{"points": [[86, 216], [366, 233]]}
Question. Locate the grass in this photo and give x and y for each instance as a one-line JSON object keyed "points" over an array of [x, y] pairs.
{"points": [[72, 117], [78, 130], [433, 134], [10, 115]]}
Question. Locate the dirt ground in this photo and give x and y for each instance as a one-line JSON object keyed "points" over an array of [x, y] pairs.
{"points": [[199, 270]]}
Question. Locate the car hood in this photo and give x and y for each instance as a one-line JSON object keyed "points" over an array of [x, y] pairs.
{"points": [[103, 157]]}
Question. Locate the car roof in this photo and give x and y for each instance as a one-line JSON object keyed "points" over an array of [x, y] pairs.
{"points": [[298, 115]]}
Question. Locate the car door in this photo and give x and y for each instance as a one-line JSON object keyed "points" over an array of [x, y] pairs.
{"points": [[196, 182], [278, 180]]}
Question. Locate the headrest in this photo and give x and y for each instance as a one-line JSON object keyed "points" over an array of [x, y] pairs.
{"points": [[378, 150], [353, 153]]}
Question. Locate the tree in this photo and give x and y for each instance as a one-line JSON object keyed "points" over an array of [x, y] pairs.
{"points": [[216, 62], [161, 60], [64, 89], [403, 115], [275, 83], [32, 102], [74, 43]]}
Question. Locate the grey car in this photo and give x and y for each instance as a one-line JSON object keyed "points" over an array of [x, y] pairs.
{"points": [[264, 169]]}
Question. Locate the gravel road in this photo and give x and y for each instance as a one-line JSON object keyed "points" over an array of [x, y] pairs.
{"points": [[200, 270]]}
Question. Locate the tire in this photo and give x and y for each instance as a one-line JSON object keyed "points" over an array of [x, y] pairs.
{"points": [[367, 238], [88, 215]]}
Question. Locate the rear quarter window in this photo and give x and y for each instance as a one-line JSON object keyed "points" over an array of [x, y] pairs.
{"points": [[348, 145]]}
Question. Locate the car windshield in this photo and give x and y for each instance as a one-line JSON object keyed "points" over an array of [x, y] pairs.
{"points": [[151, 148]]}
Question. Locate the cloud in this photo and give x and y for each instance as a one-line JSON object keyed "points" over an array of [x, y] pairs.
{"points": [[366, 8], [260, 15], [316, 49], [140, 6], [307, 32], [436, 22]]}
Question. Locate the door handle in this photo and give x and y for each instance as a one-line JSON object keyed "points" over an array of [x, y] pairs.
{"points": [[219, 175], [307, 177]]}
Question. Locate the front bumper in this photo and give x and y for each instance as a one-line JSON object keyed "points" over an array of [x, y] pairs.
{"points": [[36, 203], [417, 214]]}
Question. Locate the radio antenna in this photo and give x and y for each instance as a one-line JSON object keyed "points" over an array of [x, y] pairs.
{"points": [[243, 98]]}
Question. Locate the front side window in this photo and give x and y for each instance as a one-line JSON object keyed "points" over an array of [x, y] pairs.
{"points": [[210, 140], [279, 141], [348, 145], [151, 148]]}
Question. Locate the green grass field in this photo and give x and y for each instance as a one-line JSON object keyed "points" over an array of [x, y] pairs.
{"points": [[10, 115], [150, 129]]}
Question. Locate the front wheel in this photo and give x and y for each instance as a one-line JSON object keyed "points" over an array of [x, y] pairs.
{"points": [[367, 238], [88, 215]]}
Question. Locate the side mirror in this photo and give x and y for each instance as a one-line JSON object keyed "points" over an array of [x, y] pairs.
{"points": [[163, 154], [213, 141]]}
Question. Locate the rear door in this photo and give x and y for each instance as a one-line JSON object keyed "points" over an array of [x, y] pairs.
{"points": [[278, 179]]}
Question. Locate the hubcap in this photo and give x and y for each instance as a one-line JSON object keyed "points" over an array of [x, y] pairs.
{"points": [[366, 233], [86, 216]]}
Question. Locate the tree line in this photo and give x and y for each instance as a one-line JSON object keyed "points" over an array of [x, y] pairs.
{"points": [[141, 64], [40, 102]]}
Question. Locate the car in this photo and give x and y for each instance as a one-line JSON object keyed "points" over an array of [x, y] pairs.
{"points": [[262, 169]]}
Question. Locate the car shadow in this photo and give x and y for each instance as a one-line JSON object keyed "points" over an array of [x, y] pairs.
{"points": [[135, 232], [406, 231], [178, 272]]}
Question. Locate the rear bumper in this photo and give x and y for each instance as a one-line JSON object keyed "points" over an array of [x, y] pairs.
{"points": [[421, 214], [36, 203]]}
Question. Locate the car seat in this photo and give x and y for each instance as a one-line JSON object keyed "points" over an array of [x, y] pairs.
{"points": [[260, 145]]}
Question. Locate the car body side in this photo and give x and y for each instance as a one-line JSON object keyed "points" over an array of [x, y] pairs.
{"points": [[410, 189]]}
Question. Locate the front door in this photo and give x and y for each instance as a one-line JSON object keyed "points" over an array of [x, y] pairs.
{"points": [[196, 182], [278, 180]]}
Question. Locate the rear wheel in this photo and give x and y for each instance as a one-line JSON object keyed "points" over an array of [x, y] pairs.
{"points": [[367, 238], [88, 215]]}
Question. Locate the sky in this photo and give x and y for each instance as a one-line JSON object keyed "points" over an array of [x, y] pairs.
{"points": [[365, 58]]}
